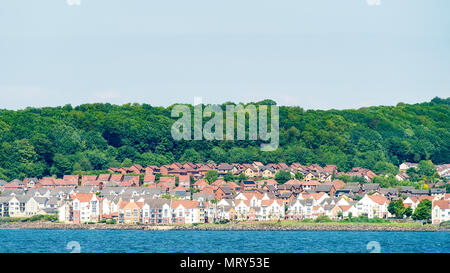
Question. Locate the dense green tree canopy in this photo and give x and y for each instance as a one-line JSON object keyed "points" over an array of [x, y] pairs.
{"points": [[61, 140]]}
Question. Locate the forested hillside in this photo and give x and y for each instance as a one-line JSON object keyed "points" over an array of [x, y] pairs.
{"points": [[37, 142]]}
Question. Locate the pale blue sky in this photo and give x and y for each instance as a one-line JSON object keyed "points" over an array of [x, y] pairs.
{"points": [[318, 54]]}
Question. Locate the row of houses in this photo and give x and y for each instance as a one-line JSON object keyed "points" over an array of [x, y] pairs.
{"points": [[246, 206], [186, 173], [147, 205]]}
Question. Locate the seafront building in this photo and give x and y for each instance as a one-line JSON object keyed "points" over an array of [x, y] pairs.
{"points": [[181, 195]]}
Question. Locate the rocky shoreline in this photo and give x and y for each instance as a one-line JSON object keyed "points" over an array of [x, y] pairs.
{"points": [[228, 227]]}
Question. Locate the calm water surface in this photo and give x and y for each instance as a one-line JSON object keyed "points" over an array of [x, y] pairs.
{"points": [[110, 241]]}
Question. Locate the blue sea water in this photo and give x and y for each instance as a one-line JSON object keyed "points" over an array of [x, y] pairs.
{"points": [[113, 241]]}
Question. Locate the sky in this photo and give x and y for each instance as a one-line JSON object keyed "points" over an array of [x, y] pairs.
{"points": [[316, 54]]}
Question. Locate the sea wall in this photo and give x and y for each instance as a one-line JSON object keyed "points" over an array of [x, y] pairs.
{"points": [[255, 226]]}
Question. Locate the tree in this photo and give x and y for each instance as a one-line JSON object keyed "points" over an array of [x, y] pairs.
{"points": [[211, 176], [190, 155], [299, 176], [423, 211], [282, 176], [397, 208], [426, 167], [383, 167], [408, 212], [127, 162], [61, 165], [228, 177]]}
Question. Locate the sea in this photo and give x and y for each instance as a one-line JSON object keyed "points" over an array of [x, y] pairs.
{"points": [[190, 241]]}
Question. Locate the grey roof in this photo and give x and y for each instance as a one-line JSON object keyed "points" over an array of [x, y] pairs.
{"points": [[323, 188], [13, 192], [388, 191], [370, 186], [22, 198], [5, 199], [438, 190], [61, 191], [351, 188], [153, 191], [41, 200], [50, 211], [406, 188], [419, 192], [38, 191], [203, 196], [86, 189], [156, 203], [52, 201]]}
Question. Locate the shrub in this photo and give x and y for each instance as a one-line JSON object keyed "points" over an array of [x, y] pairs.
{"points": [[322, 219]]}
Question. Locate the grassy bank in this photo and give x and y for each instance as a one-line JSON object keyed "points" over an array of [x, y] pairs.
{"points": [[355, 225]]}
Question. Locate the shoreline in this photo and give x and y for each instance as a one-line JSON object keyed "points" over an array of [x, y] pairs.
{"points": [[229, 227]]}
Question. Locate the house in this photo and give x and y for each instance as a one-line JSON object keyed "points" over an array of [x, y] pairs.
{"points": [[149, 179], [71, 180], [309, 185], [443, 170], [17, 205], [243, 211], [223, 192], [32, 206], [168, 180], [367, 174], [156, 211], [4, 206], [374, 205], [180, 192], [402, 177], [130, 181], [303, 208], [187, 212], [267, 172], [65, 211], [349, 189], [203, 196], [46, 182], [248, 185], [251, 171], [200, 184], [370, 187], [184, 181], [30, 182], [406, 165], [130, 212], [224, 168], [325, 188], [88, 180], [86, 208], [116, 179], [271, 210], [389, 192], [440, 211], [14, 184], [338, 184]]}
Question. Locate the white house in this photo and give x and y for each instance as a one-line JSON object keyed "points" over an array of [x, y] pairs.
{"points": [[440, 211], [374, 205]]}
